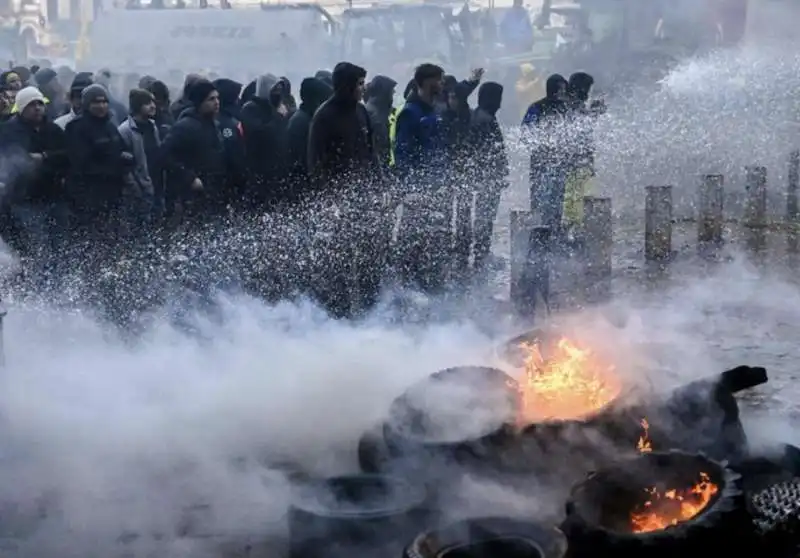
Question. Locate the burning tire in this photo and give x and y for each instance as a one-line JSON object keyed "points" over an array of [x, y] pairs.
{"points": [[355, 515], [488, 537], [658, 505], [455, 415]]}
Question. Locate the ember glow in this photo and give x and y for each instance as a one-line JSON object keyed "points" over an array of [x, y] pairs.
{"points": [[645, 445], [663, 509], [570, 383]]}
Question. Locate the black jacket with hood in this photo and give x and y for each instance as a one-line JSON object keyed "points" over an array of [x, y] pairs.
{"points": [[379, 107], [545, 121], [266, 150], [489, 159], [179, 105], [313, 92], [341, 152]]}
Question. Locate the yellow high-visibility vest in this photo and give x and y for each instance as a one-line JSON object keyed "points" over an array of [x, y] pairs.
{"points": [[15, 109]]}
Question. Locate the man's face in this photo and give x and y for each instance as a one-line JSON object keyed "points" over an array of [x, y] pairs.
{"points": [[34, 112], [99, 107], [149, 110], [15, 83], [211, 104], [359, 90], [433, 86]]}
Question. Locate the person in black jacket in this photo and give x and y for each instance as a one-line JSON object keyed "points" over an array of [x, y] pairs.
{"points": [[232, 137], [346, 174], [35, 153], [313, 92], [379, 107], [544, 127], [163, 117], [100, 187], [266, 150], [490, 165], [194, 152], [180, 105]]}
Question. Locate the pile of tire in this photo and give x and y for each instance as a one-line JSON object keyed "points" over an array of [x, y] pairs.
{"points": [[457, 417], [355, 515], [489, 537], [724, 525]]}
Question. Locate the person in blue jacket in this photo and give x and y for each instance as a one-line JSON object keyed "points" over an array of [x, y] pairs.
{"points": [[421, 165]]}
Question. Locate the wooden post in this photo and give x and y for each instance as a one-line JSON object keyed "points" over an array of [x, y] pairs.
{"points": [[599, 240], [709, 212], [658, 223], [756, 203]]}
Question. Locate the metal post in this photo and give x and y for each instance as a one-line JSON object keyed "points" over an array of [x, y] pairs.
{"points": [[3, 312], [756, 203], [520, 227], [599, 241], [791, 187], [709, 212], [658, 223]]}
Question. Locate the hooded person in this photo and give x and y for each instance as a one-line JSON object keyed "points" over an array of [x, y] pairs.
{"points": [[163, 117], [544, 127], [47, 82], [325, 77], [380, 109], [313, 92], [119, 110], [287, 99], [80, 82], [266, 146], [99, 180], [345, 172], [230, 126], [183, 102], [195, 154], [490, 167]]}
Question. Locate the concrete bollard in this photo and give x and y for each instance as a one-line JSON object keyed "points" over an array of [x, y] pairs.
{"points": [[756, 202], [530, 264], [598, 246], [658, 223], [792, 186], [710, 201]]}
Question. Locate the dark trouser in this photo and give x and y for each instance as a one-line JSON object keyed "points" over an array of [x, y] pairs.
{"points": [[349, 253], [424, 243], [486, 204], [547, 195], [463, 233]]}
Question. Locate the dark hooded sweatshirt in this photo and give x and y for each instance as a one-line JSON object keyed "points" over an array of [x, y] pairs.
{"points": [[266, 150], [313, 92], [545, 118], [489, 158], [379, 107], [180, 105], [340, 142], [230, 125]]}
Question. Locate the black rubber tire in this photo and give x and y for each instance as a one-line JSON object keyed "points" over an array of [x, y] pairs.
{"points": [[354, 515], [407, 433], [519, 539], [725, 525]]}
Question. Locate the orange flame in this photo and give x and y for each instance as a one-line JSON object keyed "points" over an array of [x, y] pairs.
{"points": [[569, 384], [645, 445], [672, 506]]}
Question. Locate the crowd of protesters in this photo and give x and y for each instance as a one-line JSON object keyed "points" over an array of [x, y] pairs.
{"points": [[87, 181]]}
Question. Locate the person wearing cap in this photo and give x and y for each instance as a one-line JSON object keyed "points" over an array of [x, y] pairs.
{"points": [[99, 181], [118, 109], [80, 82], [194, 152], [141, 136], [35, 160]]}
